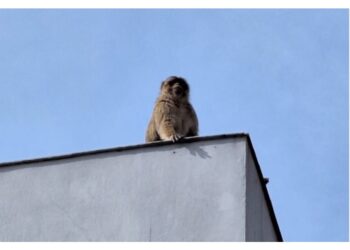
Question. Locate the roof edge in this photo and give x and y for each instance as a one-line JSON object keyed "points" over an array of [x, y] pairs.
{"points": [[122, 148]]}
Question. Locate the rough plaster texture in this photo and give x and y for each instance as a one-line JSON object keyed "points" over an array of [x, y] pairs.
{"points": [[199, 191]]}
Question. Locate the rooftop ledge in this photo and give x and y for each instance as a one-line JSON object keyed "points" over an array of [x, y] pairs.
{"points": [[125, 148], [207, 188]]}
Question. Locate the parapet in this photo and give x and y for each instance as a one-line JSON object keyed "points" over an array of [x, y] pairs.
{"points": [[200, 189]]}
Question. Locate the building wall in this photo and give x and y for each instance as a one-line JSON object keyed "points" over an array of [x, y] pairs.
{"points": [[259, 225], [179, 192]]}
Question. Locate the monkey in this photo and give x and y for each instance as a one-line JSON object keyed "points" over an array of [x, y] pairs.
{"points": [[173, 116]]}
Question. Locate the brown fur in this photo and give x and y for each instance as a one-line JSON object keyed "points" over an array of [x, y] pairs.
{"points": [[173, 116]]}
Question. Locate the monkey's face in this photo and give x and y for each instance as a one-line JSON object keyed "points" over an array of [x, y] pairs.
{"points": [[176, 87]]}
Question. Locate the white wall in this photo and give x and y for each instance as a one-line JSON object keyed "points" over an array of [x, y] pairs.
{"points": [[183, 192]]}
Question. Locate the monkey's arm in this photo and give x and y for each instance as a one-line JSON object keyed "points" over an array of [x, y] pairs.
{"points": [[166, 121]]}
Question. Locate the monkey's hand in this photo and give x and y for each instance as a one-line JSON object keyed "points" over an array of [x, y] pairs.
{"points": [[176, 137]]}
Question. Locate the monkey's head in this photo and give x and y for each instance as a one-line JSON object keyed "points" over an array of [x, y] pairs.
{"points": [[175, 87]]}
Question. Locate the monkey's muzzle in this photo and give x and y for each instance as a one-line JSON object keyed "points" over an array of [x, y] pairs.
{"points": [[178, 91]]}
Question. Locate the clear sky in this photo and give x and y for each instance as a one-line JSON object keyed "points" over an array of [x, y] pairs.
{"points": [[78, 80]]}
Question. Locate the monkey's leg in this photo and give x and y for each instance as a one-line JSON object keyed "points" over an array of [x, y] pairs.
{"points": [[151, 133]]}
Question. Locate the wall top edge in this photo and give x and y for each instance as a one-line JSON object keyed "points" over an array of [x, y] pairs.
{"points": [[125, 148]]}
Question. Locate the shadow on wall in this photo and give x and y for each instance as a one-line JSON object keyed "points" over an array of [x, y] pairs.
{"points": [[197, 150]]}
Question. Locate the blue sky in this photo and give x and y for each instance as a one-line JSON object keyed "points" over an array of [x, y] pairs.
{"points": [[78, 80]]}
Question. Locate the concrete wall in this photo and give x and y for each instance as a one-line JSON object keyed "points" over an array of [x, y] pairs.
{"points": [[259, 226], [204, 190]]}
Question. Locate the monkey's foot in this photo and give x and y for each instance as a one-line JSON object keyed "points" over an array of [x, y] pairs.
{"points": [[176, 137]]}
